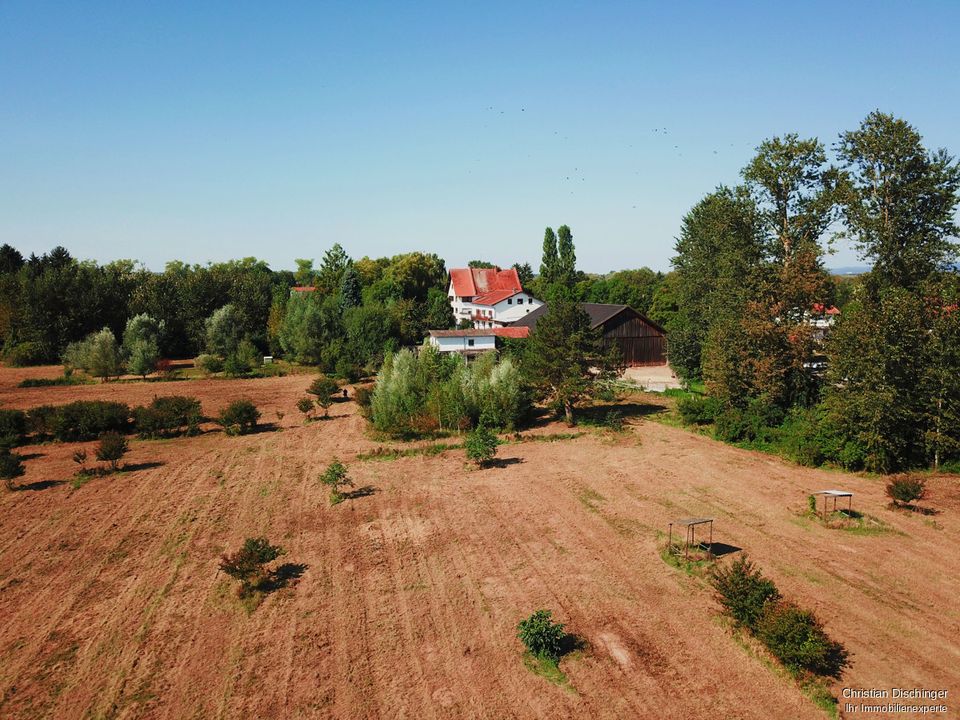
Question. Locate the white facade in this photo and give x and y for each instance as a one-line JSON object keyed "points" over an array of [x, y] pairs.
{"points": [[505, 311], [465, 343]]}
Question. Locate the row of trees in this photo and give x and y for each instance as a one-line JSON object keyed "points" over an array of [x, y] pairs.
{"points": [[54, 307], [749, 271]]}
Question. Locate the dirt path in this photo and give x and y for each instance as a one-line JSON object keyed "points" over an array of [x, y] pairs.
{"points": [[113, 605]]}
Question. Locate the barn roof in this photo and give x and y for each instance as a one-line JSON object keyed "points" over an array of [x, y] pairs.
{"points": [[599, 314], [470, 282]]}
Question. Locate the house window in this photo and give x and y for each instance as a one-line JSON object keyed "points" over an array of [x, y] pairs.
{"points": [[519, 301], [470, 342], [510, 302]]}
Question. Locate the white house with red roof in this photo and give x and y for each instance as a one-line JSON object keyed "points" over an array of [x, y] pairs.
{"points": [[489, 297]]}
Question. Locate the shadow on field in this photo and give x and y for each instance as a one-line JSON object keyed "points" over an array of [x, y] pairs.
{"points": [[39, 485], [31, 456], [284, 575], [361, 492], [504, 462], [719, 549], [134, 467], [570, 643]]}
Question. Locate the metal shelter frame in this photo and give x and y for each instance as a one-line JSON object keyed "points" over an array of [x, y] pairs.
{"points": [[691, 529], [835, 494]]}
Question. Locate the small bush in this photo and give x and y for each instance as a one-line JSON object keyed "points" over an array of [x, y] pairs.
{"points": [[242, 360], [25, 353], [754, 423], [323, 388], [80, 458], [111, 449], [798, 640], [52, 382], [239, 417], [11, 467], [541, 636], [335, 477], [305, 405], [697, 410], [906, 490], [210, 364], [247, 564], [13, 427], [170, 415], [41, 421], [743, 591], [363, 395], [481, 445], [88, 419]]}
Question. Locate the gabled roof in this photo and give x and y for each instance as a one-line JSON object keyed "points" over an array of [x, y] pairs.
{"points": [[599, 314], [492, 298], [302, 288], [470, 282]]}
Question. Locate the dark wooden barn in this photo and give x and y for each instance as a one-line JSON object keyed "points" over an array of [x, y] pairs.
{"points": [[641, 340]]}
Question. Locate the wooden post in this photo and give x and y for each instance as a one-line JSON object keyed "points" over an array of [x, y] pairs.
{"points": [[711, 538], [670, 540]]}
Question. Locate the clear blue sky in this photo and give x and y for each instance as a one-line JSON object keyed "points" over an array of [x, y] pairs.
{"points": [[205, 131]]}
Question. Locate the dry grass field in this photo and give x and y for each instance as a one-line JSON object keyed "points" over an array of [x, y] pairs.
{"points": [[403, 601]]}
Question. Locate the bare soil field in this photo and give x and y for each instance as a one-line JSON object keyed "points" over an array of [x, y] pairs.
{"points": [[407, 597]]}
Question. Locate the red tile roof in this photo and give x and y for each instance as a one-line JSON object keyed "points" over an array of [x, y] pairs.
{"points": [[492, 298], [303, 288], [471, 282], [512, 332]]}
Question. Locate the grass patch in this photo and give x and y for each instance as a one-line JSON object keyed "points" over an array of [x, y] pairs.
{"points": [[851, 521], [383, 452], [547, 437], [81, 479], [55, 381], [697, 564], [548, 669], [589, 499]]}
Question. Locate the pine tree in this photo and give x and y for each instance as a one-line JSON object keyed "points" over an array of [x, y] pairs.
{"points": [[567, 256], [550, 261]]}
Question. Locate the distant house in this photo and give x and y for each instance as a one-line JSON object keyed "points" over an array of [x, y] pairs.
{"points": [[489, 297], [473, 341], [640, 339]]}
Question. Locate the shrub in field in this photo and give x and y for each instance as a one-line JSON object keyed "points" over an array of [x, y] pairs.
{"points": [[111, 449], [97, 354], [142, 358], [335, 477], [247, 564], [80, 458], [906, 490], [798, 640], [224, 330], [362, 395], [743, 591], [170, 415], [11, 467], [481, 445], [13, 427], [210, 364], [541, 636], [323, 388], [25, 353], [305, 405], [41, 422], [242, 360], [239, 417], [87, 419], [697, 410]]}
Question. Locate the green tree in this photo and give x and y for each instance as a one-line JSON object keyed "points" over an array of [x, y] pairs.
{"points": [[97, 354], [524, 272], [565, 360], [111, 449], [142, 357], [541, 636], [335, 477], [11, 467], [549, 263], [333, 266], [350, 291], [481, 445], [224, 331], [248, 563], [899, 200], [566, 256], [323, 388], [720, 253]]}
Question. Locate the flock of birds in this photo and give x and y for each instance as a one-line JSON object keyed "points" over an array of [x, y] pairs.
{"points": [[576, 176]]}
